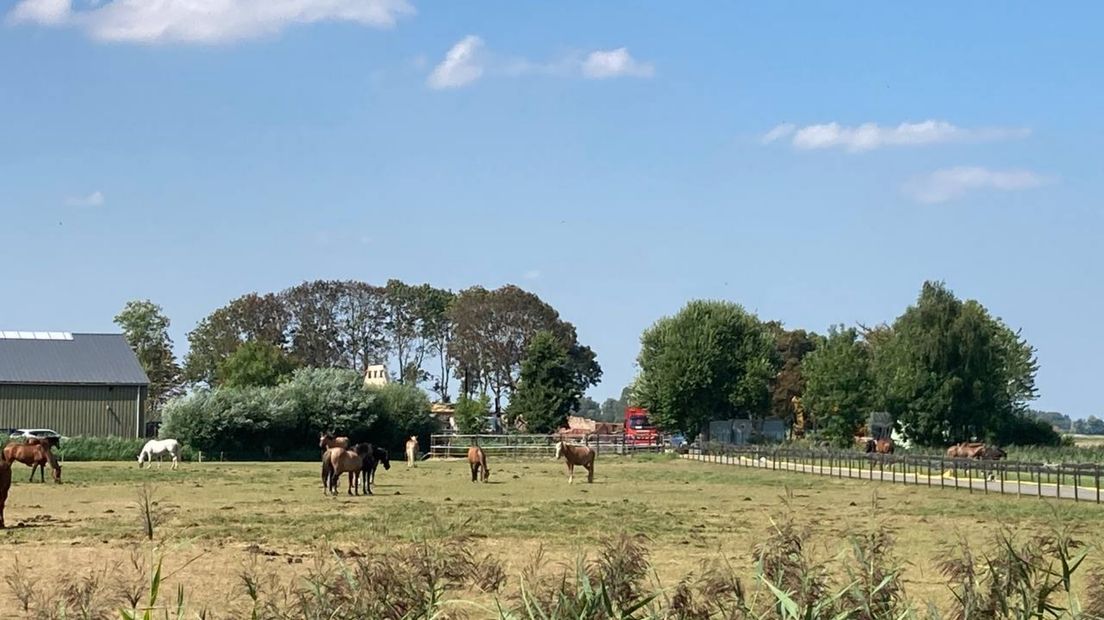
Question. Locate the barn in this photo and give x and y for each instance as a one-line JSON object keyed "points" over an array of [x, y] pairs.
{"points": [[75, 384]]}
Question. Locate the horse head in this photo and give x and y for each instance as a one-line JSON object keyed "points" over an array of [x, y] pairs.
{"points": [[324, 440], [559, 448], [383, 457]]}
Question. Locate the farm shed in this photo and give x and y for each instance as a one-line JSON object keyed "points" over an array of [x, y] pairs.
{"points": [[75, 384]]}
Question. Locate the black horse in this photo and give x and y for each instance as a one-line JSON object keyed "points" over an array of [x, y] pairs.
{"points": [[373, 457]]}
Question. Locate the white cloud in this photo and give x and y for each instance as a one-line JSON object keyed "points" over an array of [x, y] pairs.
{"points": [[950, 183], [95, 199], [603, 64], [532, 274], [462, 65], [469, 60], [870, 136], [203, 21]]}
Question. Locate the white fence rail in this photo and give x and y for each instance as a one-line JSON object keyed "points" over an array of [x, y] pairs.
{"points": [[535, 446]]}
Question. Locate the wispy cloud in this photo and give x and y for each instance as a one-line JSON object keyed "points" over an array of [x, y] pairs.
{"points": [[603, 64], [951, 183], [203, 21], [871, 136], [95, 199], [469, 60], [462, 65]]}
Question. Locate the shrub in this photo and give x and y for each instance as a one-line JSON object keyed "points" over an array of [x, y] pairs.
{"points": [[284, 420], [471, 414]]}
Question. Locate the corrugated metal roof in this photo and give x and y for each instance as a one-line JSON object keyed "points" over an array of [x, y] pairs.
{"points": [[102, 359]]}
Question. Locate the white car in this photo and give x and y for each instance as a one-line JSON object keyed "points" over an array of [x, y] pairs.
{"points": [[27, 433]]}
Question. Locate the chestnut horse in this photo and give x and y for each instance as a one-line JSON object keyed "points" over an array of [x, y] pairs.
{"points": [[477, 459], [327, 441], [976, 451], [37, 455], [576, 455], [5, 484]]}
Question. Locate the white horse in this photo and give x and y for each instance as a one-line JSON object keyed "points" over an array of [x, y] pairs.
{"points": [[159, 447], [411, 450]]}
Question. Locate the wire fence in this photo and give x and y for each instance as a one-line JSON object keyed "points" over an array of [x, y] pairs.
{"points": [[533, 446], [1075, 481]]}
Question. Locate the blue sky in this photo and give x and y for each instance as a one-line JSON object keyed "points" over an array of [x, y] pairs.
{"points": [[814, 163]]}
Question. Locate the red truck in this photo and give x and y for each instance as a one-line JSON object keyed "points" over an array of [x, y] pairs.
{"points": [[638, 431]]}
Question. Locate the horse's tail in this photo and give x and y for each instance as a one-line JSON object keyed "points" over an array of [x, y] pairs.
{"points": [[327, 471]]}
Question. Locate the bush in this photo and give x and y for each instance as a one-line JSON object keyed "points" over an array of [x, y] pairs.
{"points": [[99, 448], [284, 421], [471, 414]]}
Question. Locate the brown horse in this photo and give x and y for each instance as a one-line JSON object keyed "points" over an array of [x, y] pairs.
{"points": [[37, 456], [976, 451], [5, 484], [327, 441], [883, 446], [477, 459], [576, 455], [339, 461]]}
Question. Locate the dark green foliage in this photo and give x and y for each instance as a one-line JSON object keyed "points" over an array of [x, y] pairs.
{"points": [[267, 422], [839, 388], [951, 372], [712, 360], [471, 414], [1058, 420], [255, 364], [791, 347], [588, 408], [1021, 429], [548, 389]]}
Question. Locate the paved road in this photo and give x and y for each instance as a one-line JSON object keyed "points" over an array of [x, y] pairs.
{"points": [[946, 481]]}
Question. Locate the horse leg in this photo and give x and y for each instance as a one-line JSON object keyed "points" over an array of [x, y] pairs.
{"points": [[590, 473], [474, 471], [570, 472], [33, 467]]}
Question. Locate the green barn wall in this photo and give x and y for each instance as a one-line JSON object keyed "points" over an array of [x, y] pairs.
{"points": [[86, 410]]}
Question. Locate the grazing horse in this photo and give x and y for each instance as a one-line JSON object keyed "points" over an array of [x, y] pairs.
{"points": [[576, 455], [477, 459], [5, 484], [411, 450], [344, 461], [379, 456], [36, 455], [158, 448]]}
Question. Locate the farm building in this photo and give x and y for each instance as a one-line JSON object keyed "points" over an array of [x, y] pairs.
{"points": [[75, 384]]}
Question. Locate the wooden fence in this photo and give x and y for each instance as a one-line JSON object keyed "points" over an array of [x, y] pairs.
{"points": [[524, 446], [1076, 481]]}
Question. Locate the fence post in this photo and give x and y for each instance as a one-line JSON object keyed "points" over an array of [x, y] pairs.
{"points": [[1076, 483], [1096, 474]]}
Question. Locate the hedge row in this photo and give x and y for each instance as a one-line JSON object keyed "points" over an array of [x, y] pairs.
{"points": [[283, 422]]}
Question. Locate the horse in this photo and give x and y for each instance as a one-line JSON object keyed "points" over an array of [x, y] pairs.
{"points": [[49, 442], [976, 451], [379, 455], [327, 441], [576, 455], [159, 447], [477, 459], [411, 450], [5, 484], [37, 456], [339, 461], [883, 446]]}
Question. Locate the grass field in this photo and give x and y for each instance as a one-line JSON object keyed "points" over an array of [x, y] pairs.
{"points": [[217, 518]]}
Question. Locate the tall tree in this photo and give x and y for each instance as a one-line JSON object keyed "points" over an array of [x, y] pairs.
{"points": [[712, 360], [146, 329], [361, 319], [437, 329], [791, 347], [839, 385], [492, 331], [547, 389], [951, 372], [260, 318]]}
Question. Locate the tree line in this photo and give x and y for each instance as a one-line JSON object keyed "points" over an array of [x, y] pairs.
{"points": [[474, 342], [945, 370]]}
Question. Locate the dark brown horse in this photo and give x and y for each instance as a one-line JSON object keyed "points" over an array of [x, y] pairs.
{"points": [[576, 455], [477, 459], [5, 484], [37, 456]]}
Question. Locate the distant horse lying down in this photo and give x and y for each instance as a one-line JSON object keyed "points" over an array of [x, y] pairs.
{"points": [[576, 455], [159, 448], [477, 459], [37, 456]]}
